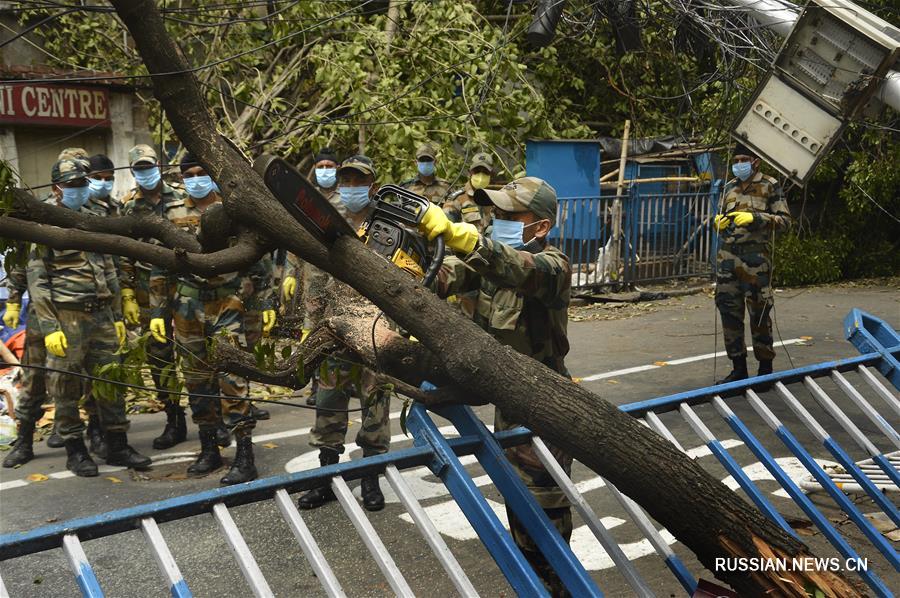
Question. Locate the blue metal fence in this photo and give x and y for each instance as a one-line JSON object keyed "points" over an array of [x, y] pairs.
{"points": [[806, 401], [664, 236]]}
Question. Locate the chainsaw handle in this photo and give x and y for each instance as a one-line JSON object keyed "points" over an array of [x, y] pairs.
{"points": [[440, 247]]}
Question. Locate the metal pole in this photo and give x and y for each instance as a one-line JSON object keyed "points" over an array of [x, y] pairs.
{"points": [[615, 258]]}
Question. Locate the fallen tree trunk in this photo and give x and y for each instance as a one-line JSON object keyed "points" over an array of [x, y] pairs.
{"points": [[701, 512]]}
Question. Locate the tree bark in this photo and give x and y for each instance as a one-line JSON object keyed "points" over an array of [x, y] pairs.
{"points": [[701, 512]]}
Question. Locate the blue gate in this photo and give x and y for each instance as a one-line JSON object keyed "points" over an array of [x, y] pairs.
{"points": [[805, 400]]}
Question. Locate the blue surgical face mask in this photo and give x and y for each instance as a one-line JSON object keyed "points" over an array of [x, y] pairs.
{"points": [[355, 198], [75, 197], [425, 168], [198, 187], [147, 178], [742, 170], [326, 177], [100, 188], [508, 232]]}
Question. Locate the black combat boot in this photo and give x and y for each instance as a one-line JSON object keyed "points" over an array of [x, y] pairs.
{"points": [[55, 440], [23, 449], [242, 469], [176, 427], [79, 461], [223, 436], [119, 453], [373, 499], [257, 413], [765, 368], [319, 496], [738, 371], [95, 437], [209, 458]]}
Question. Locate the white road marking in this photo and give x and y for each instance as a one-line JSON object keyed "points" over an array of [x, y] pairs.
{"points": [[683, 360]]}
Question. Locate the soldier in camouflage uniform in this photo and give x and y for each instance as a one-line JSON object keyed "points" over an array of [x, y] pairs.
{"points": [[426, 182], [296, 270], [205, 308], [523, 286], [461, 206], [76, 305], [753, 210], [153, 195], [356, 185], [34, 381]]}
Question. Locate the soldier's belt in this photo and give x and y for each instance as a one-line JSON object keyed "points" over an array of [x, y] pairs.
{"points": [[187, 290], [746, 248], [85, 306]]}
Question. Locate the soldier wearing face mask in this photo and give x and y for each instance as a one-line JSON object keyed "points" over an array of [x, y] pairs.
{"points": [[523, 286], [426, 183], [101, 179], [461, 206], [753, 211], [151, 194], [76, 306], [356, 186]]}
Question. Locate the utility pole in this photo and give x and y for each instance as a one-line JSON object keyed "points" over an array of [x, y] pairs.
{"points": [[617, 236]]}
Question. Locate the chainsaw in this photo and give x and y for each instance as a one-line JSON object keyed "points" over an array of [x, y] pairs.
{"points": [[391, 230]]}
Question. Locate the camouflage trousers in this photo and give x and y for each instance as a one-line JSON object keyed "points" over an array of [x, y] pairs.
{"points": [[252, 334], [34, 382], [562, 521], [159, 355], [197, 320], [743, 283], [336, 385], [92, 342]]}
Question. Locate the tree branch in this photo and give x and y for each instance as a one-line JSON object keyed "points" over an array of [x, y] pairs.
{"points": [[137, 226], [247, 251]]}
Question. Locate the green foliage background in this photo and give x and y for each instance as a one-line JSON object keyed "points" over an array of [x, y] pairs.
{"points": [[315, 72]]}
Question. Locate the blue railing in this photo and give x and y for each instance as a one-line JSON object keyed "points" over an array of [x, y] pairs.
{"points": [[859, 379]]}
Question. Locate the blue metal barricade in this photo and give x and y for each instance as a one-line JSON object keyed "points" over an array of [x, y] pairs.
{"points": [[798, 413]]}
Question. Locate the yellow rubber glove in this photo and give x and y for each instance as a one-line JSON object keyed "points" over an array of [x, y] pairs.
{"points": [[120, 332], [434, 222], [288, 287], [130, 308], [56, 343], [304, 334], [158, 330], [460, 236], [11, 317], [721, 222], [268, 320], [741, 218]]}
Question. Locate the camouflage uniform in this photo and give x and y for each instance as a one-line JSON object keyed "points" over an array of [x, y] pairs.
{"points": [[745, 264], [523, 300], [206, 308], [135, 275], [338, 378], [436, 191], [461, 207], [34, 382], [77, 292]]}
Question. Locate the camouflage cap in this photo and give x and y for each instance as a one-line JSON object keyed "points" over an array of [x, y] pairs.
{"points": [[142, 154], [73, 152], [359, 162], [68, 169], [483, 160], [528, 194], [426, 150]]}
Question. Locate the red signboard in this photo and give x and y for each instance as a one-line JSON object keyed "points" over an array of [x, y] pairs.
{"points": [[58, 105]]}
